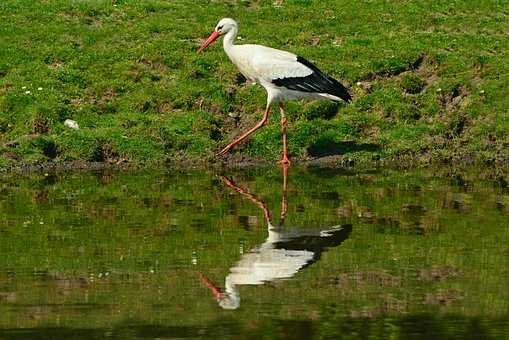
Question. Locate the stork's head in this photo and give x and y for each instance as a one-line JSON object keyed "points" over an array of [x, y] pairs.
{"points": [[227, 300], [224, 26]]}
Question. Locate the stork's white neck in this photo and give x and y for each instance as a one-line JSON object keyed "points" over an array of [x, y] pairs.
{"points": [[229, 38]]}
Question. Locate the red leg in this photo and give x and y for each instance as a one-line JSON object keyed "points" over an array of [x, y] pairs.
{"points": [[246, 134], [284, 124]]}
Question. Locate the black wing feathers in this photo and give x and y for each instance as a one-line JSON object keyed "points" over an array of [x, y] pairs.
{"points": [[315, 82]]}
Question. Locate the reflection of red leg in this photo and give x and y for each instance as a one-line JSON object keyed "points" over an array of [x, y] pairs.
{"points": [[248, 195], [284, 201], [284, 124], [246, 134]]}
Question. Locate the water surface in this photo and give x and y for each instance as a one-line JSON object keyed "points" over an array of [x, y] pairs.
{"points": [[254, 254]]}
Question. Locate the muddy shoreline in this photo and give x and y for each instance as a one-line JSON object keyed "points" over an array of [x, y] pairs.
{"points": [[497, 169]]}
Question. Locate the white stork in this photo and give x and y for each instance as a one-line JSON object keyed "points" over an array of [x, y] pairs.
{"points": [[280, 257], [283, 74]]}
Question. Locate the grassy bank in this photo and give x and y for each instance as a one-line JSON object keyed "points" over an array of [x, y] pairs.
{"points": [[430, 80]]}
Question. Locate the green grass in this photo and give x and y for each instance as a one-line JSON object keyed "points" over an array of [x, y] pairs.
{"points": [[429, 79]]}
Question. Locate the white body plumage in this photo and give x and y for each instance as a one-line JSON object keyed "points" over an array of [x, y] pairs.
{"points": [[284, 76]]}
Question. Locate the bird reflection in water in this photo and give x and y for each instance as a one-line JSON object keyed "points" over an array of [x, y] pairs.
{"points": [[281, 256]]}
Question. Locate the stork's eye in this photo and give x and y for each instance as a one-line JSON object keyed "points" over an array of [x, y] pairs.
{"points": [[219, 28]]}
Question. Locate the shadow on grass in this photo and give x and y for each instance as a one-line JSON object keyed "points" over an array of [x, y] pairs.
{"points": [[324, 148]]}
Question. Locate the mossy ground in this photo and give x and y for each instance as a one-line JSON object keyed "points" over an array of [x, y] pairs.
{"points": [[429, 80]]}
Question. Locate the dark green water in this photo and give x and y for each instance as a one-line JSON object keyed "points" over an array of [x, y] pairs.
{"points": [[197, 254]]}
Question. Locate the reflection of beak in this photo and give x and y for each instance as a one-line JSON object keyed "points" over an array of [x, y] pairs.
{"points": [[216, 291], [209, 41]]}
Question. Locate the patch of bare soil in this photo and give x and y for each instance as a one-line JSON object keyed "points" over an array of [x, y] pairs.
{"points": [[380, 278], [69, 166], [421, 67], [412, 66], [9, 154], [8, 297], [437, 273], [55, 65], [238, 160], [443, 297], [15, 142], [6, 87], [156, 65], [390, 305]]}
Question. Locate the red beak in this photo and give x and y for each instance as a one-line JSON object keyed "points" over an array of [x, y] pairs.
{"points": [[216, 291], [209, 41]]}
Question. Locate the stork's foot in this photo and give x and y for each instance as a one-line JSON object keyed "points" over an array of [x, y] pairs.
{"points": [[246, 134], [222, 153], [225, 150], [284, 162]]}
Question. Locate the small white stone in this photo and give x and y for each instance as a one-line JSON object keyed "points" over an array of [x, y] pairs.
{"points": [[439, 90], [23, 87], [39, 88], [481, 92], [27, 92], [359, 83], [71, 124]]}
